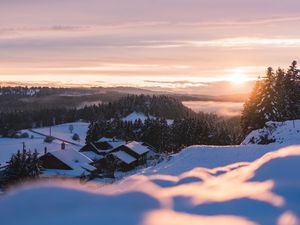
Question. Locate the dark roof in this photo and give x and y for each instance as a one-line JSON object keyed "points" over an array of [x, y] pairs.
{"points": [[103, 145], [96, 146]]}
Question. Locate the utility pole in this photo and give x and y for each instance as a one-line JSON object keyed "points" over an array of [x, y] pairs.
{"points": [[294, 124]]}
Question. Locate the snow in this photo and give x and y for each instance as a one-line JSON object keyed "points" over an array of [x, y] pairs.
{"points": [[105, 139], [9, 146], [116, 144], [92, 155], [137, 116], [265, 191], [73, 159], [287, 132], [249, 184], [62, 131], [137, 147], [141, 116], [124, 157]]}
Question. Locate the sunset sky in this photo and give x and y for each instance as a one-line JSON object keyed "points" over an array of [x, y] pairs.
{"points": [[192, 46]]}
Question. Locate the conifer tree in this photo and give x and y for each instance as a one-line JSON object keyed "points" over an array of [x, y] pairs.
{"points": [[267, 106], [274, 98], [251, 118], [292, 94], [22, 165], [92, 133], [281, 96]]}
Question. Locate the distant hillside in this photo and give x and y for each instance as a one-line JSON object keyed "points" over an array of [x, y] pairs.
{"points": [[40, 115], [158, 106], [35, 98]]}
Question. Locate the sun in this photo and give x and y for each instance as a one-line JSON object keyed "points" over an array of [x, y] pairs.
{"points": [[238, 77]]}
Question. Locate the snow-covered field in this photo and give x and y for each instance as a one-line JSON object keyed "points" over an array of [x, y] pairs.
{"points": [[8, 146], [141, 116], [235, 185]]}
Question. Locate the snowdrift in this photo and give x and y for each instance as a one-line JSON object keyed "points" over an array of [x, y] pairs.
{"points": [[287, 133], [265, 191]]}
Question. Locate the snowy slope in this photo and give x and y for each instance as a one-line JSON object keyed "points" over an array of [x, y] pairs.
{"points": [[232, 185], [287, 132], [137, 116], [9, 146], [141, 116], [62, 131], [266, 191]]}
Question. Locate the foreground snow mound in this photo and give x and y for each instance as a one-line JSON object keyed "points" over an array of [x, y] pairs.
{"points": [[287, 133], [266, 191]]}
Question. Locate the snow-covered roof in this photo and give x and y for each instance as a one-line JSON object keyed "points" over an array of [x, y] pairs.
{"points": [[92, 155], [114, 143], [117, 144], [137, 147], [123, 156], [73, 159]]}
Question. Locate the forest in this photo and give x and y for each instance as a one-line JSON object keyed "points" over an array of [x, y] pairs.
{"points": [[275, 97]]}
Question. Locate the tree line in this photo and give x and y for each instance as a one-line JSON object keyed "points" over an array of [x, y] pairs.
{"points": [[275, 97], [160, 106], [170, 137]]}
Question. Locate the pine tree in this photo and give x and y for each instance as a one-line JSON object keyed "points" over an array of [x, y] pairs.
{"points": [[281, 96], [22, 166], [92, 133], [274, 98], [267, 105], [251, 118], [292, 95]]}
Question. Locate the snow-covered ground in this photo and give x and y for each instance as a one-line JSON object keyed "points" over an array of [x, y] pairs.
{"points": [[8, 146], [286, 133], [235, 185], [137, 116], [141, 116]]}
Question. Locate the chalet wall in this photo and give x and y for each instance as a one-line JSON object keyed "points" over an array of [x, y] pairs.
{"points": [[51, 162]]}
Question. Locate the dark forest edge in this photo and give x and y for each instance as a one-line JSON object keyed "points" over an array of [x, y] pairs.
{"points": [[23, 98], [275, 97], [195, 128]]}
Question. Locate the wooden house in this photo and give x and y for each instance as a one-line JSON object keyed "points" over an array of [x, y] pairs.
{"points": [[67, 160]]}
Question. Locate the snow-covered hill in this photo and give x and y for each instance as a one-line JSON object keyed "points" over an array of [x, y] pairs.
{"points": [[234, 185], [265, 191], [141, 116], [286, 133], [137, 116]]}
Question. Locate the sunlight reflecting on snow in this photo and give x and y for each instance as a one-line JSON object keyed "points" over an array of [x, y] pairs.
{"points": [[262, 192]]}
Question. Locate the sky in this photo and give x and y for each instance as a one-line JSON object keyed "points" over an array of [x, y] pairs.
{"points": [[190, 46]]}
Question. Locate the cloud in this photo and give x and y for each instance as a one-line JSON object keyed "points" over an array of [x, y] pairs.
{"points": [[256, 21], [178, 82], [238, 42]]}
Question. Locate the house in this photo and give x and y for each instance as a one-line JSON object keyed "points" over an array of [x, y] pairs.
{"points": [[97, 150], [124, 160], [132, 154], [138, 150], [126, 154], [67, 161]]}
